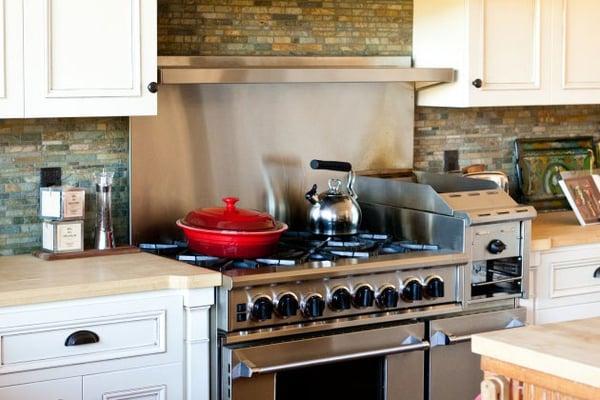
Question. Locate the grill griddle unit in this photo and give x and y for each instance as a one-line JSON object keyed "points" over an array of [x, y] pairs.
{"points": [[475, 201]]}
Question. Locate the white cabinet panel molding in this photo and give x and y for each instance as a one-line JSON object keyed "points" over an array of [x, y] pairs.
{"points": [[149, 393], [573, 278], [11, 59], [2, 49], [511, 41], [77, 64], [62, 389], [580, 41], [152, 383], [89, 57], [498, 47]]}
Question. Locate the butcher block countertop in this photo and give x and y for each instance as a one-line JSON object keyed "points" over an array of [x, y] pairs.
{"points": [[568, 350], [559, 229], [29, 280]]}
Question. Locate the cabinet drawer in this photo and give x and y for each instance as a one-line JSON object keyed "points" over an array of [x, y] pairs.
{"points": [[60, 389], [153, 383], [575, 278], [97, 332]]}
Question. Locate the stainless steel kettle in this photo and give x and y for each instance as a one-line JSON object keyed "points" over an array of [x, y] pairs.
{"points": [[335, 211]]}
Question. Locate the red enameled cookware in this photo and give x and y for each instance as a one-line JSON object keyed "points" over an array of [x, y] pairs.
{"points": [[231, 232]]}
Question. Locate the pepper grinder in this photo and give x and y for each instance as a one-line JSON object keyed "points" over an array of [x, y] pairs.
{"points": [[104, 229]]}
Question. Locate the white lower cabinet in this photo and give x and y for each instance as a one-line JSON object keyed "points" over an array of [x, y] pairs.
{"points": [[153, 383], [565, 284], [59, 389], [145, 346]]}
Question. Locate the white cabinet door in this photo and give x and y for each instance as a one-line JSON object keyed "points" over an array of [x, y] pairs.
{"points": [[500, 49], [567, 284], [509, 41], [89, 57], [163, 382], [11, 59], [576, 51], [60, 389]]}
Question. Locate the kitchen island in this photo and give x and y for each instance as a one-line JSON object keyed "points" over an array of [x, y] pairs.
{"points": [[554, 361], [122, 326]]}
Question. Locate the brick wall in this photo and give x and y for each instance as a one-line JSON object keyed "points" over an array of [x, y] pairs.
{"points": [[81, 147], [245, 27], [487, 135]]}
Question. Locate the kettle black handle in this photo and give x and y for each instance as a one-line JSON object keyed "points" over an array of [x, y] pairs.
{"points": [[341, 166]]}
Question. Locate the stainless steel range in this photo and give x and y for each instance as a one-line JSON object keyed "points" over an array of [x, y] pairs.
{"points": [[332, 317], [384, 314]]}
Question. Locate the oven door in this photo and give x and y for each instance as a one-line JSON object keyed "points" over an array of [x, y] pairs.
{"points": [[385, 363], [454, 370]]}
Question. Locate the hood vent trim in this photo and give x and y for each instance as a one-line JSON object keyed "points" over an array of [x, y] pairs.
{"points": [[276, 69]]}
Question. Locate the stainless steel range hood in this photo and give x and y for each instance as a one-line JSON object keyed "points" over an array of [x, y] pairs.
{"points": [[270, 69]]}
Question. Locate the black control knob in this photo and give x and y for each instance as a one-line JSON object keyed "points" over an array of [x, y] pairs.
{"points": [[262, 308], [434, 287], [340, 299], [363, 296], [478, 83], [287, 305], [496, 246], [313, 306], [388, 297], [412, 291]]}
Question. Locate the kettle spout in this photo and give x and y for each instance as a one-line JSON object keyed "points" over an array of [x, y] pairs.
{"points": [[312, 196]]}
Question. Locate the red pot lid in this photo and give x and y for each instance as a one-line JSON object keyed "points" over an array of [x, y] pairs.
{"points": [[230, 218]]}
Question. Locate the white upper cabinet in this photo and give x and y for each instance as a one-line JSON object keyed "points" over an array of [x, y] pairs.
{"points": [[84, 57], [576, 51], [508, 40], [496, 46], [11, 59], [510, 52]]}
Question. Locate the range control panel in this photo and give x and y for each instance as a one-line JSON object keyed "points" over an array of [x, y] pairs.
{"points": [[293, 302]]}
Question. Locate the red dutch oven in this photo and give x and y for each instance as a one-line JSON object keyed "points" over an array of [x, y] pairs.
{"points": [[231, 232]]}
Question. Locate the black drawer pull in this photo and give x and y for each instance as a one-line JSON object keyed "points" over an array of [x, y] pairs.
{"points": [[82, 337], [597, 273]]}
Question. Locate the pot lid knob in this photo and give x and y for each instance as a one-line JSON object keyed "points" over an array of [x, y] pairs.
{"points": [[230, 203], [335, 186]]}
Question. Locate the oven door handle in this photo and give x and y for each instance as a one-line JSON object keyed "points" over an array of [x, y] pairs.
{"points": [[440, 338], [246, 369]]}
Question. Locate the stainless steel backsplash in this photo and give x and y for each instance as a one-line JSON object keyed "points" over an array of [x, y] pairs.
{"points": [[255, 142]]}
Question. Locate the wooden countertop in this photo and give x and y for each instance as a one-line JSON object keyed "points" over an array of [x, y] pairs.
{"points": [[569, 350], [29, 280], [559, 229]]}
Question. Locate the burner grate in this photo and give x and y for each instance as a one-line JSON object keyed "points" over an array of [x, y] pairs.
{"points": [[298, 248]]}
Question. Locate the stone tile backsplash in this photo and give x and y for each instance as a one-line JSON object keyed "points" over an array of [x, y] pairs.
{"points": [[487, 135], [245, 27], [258, 27], [81, 147]]}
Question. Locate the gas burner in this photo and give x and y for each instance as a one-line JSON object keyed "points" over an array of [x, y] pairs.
{"points": [[285, 257], [322, 256], [163, 249], [200, 260], [241, 264], [405, 247]]}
